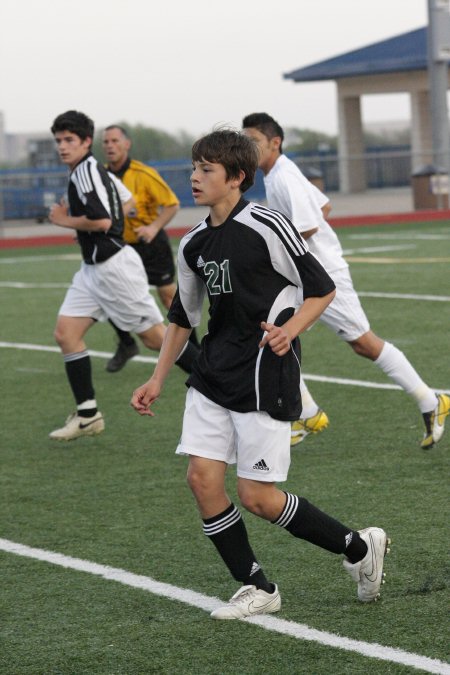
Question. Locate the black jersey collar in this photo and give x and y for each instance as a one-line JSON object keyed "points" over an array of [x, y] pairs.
{"points": [[242, 203], [120, 172]]}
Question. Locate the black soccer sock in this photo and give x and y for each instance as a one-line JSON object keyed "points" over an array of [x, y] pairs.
{"points": [[305, 521], [228, 533], [79, 374], [124, 336], [187, 357]]}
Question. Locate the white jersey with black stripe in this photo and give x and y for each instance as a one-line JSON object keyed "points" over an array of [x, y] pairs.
{"points": [[251, 267]]}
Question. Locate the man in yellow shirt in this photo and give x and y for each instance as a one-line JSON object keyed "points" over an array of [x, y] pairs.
{"points": [[156, 205]]}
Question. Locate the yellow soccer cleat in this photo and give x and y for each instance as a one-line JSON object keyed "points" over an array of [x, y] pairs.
{"points": [[310, 425], [435, 422]]}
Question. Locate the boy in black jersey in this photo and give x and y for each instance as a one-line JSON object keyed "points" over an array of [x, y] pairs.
{"points": [[111, 282], [251, 261]]}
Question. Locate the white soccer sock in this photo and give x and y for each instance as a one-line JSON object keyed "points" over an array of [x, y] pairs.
{"points": [[395, 364], [310, 407], [90, 404]]}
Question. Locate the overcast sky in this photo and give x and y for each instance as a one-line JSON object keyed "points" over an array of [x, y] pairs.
{"points": [[180, 65]]}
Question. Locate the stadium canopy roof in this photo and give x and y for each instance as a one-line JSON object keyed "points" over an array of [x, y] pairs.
{"points": [[401, 53]]}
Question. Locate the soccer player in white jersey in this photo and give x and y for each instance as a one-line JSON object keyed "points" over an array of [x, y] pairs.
{"points": [[111, 283], [250, 262], [288, 191]]}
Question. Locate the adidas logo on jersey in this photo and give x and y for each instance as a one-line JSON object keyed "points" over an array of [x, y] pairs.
{"points": [[200, 261], [261, 465]]}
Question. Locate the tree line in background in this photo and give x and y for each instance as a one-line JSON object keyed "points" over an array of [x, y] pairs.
{"points": [[150, 144], [154, 144]]}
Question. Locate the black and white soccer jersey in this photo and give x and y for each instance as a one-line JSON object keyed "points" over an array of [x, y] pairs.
{"points": [[251, 267], [92, 192]]}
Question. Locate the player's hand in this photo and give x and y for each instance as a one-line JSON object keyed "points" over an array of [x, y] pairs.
{"points": [[276, 337], [58, 213], [147, 233], [144, 396]]}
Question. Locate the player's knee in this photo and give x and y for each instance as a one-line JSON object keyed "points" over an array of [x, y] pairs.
{"points": [[252, 500], [368, 345], [359, 349], [197, 481], [60, 335]]}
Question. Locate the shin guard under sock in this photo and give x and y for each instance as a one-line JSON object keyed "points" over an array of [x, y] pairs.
{"points": [[228, 533], [305, 521], [79, 374]]}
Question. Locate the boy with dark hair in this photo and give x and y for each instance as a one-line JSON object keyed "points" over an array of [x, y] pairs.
{"points": [[111, 282], [288, 191], [250, 261]]}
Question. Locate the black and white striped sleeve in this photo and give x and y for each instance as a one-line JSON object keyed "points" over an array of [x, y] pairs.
{"points": [[290, 255], [91, 191], [186, 308]]}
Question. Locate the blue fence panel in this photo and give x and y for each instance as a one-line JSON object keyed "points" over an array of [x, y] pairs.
{"points": [[27, 193]]}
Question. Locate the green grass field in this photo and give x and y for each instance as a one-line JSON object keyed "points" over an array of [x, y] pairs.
{"points": [[120, 499]]}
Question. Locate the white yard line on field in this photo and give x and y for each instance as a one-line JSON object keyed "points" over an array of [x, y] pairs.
{"points": [[364, 294], [404, 296], [27, 285], [378, 249], [23, 284], [48, 348], [411, 235], [40, 258], [153, 359], [395, 261], [208, 603]]}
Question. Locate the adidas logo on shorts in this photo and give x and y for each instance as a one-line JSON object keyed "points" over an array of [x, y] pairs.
{"points": [[200, 261], [261, 465]]}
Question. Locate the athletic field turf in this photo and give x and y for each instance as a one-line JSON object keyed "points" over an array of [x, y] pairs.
{"points": [[104, 565]]}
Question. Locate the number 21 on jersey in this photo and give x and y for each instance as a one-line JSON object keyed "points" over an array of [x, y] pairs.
{"points": [[218, 277]]}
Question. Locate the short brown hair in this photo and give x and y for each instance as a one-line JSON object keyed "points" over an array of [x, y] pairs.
{"points": [[233, 150]]}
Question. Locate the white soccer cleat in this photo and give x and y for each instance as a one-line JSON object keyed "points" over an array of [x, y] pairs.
{"points": [[368, 572], [248, 601], [77, 426]]}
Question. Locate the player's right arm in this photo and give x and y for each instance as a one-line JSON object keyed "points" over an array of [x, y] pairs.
{"points": [[59, 215], [172, 346]]}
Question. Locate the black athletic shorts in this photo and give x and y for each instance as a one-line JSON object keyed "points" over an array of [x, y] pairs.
{"points": [[158, 259]]}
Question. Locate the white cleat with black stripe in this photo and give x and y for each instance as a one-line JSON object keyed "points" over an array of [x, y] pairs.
{"points": [[368, 572]]}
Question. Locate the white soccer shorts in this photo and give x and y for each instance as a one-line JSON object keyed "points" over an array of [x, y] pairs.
{"points": [[116, 289], [258, 444], [345, 315]]}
